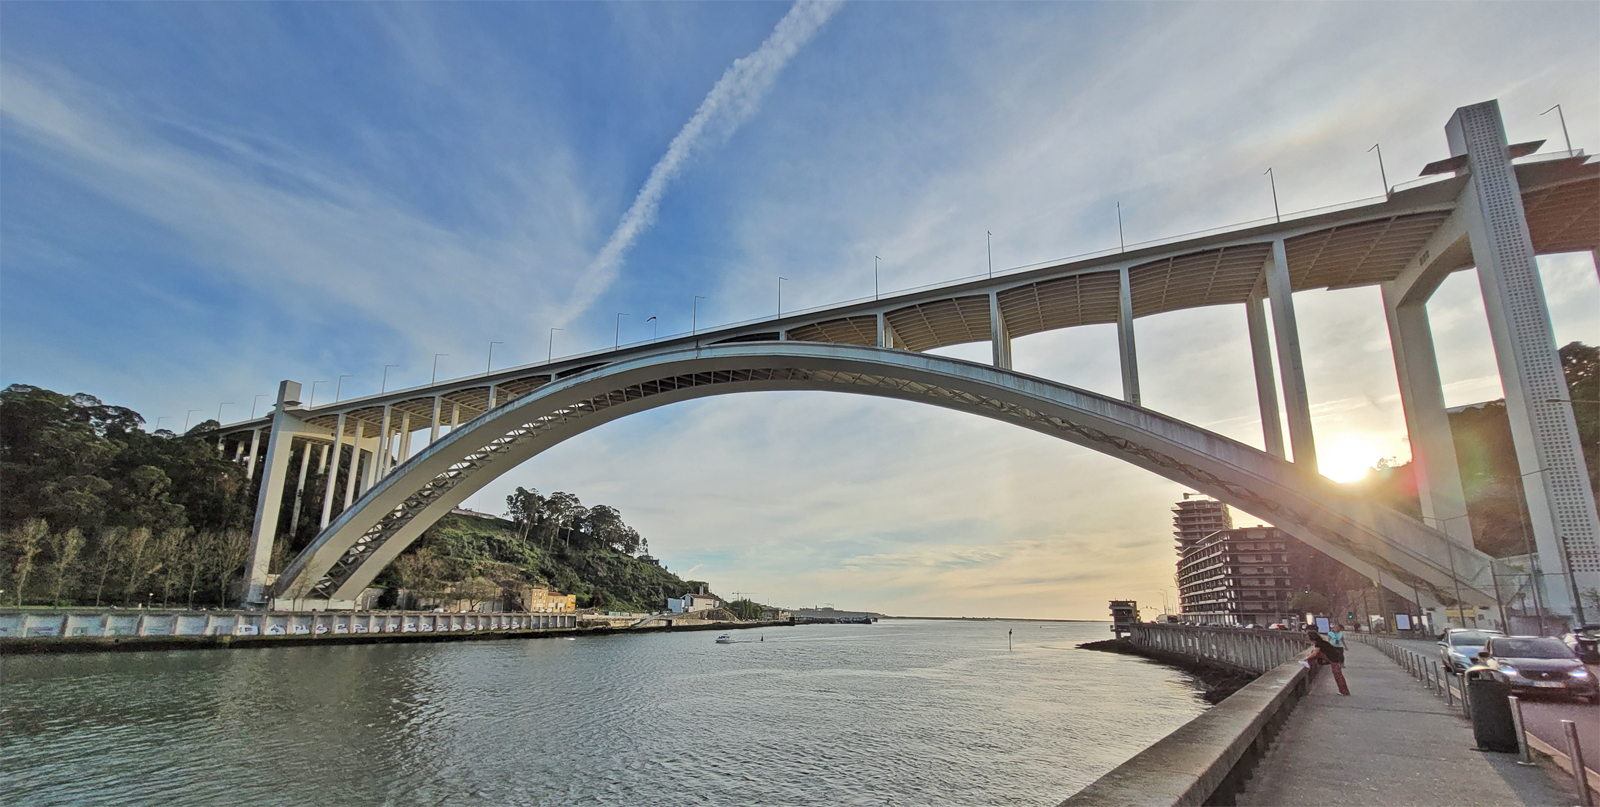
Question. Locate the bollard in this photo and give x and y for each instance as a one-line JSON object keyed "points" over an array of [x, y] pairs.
{"points": [[1437, 680], [1580, 772], [1523, 758], [1449, 694]]}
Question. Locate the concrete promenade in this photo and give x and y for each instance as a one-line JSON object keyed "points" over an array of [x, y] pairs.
{"points": [[1390, 742]]}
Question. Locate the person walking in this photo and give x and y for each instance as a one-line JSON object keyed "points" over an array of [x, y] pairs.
{"points": [[1336, 635], [1333, 656]]}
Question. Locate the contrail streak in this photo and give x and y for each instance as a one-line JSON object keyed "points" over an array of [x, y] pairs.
{"points": [[734, 99]]}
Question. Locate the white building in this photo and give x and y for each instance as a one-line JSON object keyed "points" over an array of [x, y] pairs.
{"points": [[690, 603]]}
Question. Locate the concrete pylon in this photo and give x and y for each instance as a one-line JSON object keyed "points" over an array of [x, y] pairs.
{"points": [[1291, 367], [1433, 449], [1126, 351], [1566, 527], [270, 497]]}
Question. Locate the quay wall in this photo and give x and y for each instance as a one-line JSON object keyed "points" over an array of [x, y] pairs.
{"points": [[1209, 759]]}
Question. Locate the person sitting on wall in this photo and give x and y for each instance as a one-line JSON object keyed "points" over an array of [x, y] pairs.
{"points": [[1327, 653]]}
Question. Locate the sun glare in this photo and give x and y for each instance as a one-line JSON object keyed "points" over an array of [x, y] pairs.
{"points": [[1347, 459]]}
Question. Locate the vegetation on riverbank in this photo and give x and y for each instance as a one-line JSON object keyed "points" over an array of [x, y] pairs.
{"points": [[94, 510]]}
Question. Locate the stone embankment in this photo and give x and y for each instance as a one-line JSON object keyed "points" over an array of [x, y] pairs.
{"points": [[87, 630]]}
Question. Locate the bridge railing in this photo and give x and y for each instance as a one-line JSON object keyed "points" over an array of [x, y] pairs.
{"points": [[1252, 650], [88, 623]]}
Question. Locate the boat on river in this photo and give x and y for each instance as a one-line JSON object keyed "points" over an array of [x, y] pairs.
{"points": [[726, 638]]}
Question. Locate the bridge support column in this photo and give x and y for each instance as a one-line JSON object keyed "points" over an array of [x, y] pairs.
{"points": [[1555, 479], [383, 445], [333, 471], [1290, 366], [1266, 387], [433, 430], [255, 448], [492, 390], [300, 486], [1125, 346], [405, 437], [355, 462], [1433, 449], [998, 336], [270, 498], [885, 331]]}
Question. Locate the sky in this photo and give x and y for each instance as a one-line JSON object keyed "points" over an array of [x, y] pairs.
{"points": [[198, 200]]}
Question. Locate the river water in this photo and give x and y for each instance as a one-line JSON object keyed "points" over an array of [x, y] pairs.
{"points": [[901, 712]]}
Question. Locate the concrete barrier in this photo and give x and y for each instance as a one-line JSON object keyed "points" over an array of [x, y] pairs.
{"points": [[54, 630], [1208, 759]]}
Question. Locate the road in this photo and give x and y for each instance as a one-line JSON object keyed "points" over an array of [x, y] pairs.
{"points": [[1543, 717]]}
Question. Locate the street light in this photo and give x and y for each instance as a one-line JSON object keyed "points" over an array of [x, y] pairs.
{"points": [[253, 403], [875, 261], [186, 420], [1534, 572], [384, 387], [1122, 243], [551, 355], [163, 417], [616, 335], [988, 243], [313, 401], [219, 410], [490, 365], [434, 379], [655, 328], [1384, 175], [781, 278], [338, 389], [1274, 180], [694, 315], [1450, 551], [1563, 117]]}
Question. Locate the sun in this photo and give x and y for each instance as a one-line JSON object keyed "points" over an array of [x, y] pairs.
{"points": [[1347, 459]]}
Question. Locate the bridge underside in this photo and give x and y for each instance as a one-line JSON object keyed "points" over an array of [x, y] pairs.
{"points": [[351, 551]]}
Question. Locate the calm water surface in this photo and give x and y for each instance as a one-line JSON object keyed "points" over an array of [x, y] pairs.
{"points": [[901, 712]]}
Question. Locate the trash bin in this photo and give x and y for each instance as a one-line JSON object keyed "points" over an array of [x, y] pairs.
{"points": [[1492, 725]]}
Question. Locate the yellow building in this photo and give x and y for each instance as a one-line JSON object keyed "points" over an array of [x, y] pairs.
{"points": [[544, 601]]}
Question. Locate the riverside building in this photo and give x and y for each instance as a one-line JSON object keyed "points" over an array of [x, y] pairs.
{"points": [[1237, 577], [1196, 517]]}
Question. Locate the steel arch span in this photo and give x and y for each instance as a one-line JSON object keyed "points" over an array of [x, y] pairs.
{"points": [[346, 556]]}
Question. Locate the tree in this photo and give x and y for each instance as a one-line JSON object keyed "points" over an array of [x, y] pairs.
{"points": [[65, 546], [25, 542], [1310, 602], [135, 560], [228, 558]]}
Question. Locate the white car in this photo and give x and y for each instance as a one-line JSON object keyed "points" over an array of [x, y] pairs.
{"points": [[1458, 646]]}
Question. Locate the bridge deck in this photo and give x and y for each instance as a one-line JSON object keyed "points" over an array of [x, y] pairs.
{"points": [[1389, 742]]}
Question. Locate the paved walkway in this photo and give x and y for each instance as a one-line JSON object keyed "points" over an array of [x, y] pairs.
{"points": [[1391, 742]]}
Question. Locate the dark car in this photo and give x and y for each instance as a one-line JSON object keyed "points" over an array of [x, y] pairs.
{"points": [[1585, 643], [1458, 646], [1542, 664]]}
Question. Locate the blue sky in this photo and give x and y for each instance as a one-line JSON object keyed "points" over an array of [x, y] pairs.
{"points": [[197, 200]]}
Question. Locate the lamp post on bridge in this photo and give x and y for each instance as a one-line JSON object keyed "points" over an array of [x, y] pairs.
{"points": [[338, 389], [1273, 179], [219, 410], [550, 356], [616, 335], [1563, 117], [1122, 242], [186, 417], [694, 315], [1384, 175], [254, 402], [384, 387], [781, 278], [163, 417], [988, 243], [434, 379], [655, 328], [875, 261], [489, 366], [313, 401]]}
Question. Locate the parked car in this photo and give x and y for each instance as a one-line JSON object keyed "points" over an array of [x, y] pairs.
{"points": [[1458, 646], [1537, 664], [1584, 643]]}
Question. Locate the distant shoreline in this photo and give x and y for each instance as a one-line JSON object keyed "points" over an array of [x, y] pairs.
{"points": [[1002, 619]]}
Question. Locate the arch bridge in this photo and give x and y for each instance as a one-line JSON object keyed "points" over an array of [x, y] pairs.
{"points": [[1492, 206]]}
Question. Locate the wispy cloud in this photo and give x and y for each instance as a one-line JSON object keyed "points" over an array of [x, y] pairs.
{"points": [[733, 100]]}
